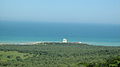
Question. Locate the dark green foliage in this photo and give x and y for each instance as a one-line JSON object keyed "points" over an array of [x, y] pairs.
{"points": [[63, 55]]}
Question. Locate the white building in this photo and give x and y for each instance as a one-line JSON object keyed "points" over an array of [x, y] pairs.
{"points": [[65, 40]]}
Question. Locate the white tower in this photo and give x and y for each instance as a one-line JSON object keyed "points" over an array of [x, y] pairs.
{"points": [[65, 40]]}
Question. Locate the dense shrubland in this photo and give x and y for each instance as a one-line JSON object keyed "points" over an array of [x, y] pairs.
{"points": [[59, 55]]}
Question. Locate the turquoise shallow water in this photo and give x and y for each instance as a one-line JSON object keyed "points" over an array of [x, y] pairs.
{"points": [[94, 34]]}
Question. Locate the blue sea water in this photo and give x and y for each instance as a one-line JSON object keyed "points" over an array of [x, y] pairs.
{"points": [[91, 33]]}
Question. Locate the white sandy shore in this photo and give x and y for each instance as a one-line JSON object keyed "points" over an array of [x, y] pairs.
{"points": [[32, 43]]}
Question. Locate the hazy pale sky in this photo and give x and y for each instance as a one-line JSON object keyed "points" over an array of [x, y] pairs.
{"points": [[98, 11]]}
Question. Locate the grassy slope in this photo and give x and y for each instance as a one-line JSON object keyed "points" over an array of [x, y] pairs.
{"points": [[13, 55]]}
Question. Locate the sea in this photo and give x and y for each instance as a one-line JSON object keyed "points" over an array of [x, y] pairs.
{"points": [[101, 34]]}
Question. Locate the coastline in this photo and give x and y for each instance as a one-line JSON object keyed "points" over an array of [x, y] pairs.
{"points": [[37, 42], [40, 42]]}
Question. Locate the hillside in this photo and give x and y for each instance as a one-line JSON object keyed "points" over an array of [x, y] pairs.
{"points": [[58, 55]]}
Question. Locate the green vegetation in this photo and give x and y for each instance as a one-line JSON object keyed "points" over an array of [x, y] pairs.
{"points": [[59, 55], [13, 55]]}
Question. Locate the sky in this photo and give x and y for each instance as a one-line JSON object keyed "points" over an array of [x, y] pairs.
{"points": [[97, 11]]}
